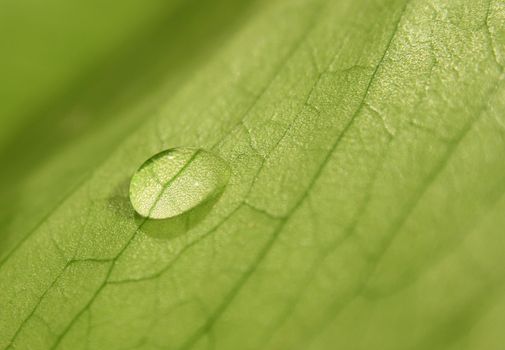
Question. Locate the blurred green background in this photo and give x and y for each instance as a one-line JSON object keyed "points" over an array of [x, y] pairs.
{"points": [[71, 66]]}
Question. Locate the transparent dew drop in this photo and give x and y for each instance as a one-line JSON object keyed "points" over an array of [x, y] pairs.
{"points": [[175, 181]]}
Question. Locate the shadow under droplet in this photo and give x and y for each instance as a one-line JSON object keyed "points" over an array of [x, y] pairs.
{"points": [[176, 226], [119, 202]]}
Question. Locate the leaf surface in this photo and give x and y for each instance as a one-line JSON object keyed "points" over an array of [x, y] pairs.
{"points": [[365, 207]]}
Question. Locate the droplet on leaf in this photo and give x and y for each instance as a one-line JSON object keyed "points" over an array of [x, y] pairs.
{"points": [[176, 181]]}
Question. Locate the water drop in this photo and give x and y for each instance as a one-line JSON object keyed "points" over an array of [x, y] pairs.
{"points": [[175, 181]]}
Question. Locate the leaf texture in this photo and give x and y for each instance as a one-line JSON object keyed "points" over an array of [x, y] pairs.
{"points": [[365, 208]]}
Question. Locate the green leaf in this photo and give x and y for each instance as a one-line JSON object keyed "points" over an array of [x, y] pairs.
{"points": [[365, 207]]}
